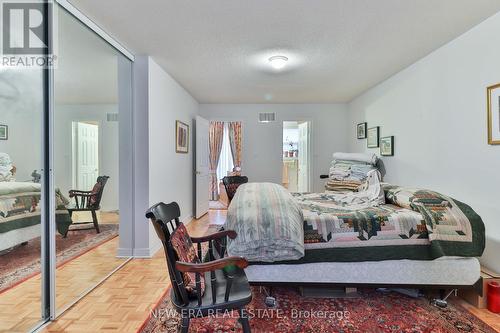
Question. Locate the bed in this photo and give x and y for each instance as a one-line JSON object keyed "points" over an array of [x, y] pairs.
{"points": [[20, 213], [416, 238]]}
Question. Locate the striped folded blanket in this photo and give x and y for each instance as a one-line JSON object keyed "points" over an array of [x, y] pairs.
{"points": [[269, 223], [342, 185]]}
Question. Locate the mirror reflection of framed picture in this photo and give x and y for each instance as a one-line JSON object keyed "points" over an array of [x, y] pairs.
{"points": [[181, 137], [387, 146], [373, 137], [361, 130], [494, 114], [4, 132]]}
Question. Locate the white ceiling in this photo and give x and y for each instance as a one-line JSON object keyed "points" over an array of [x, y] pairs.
{"points": [[217, 49]]}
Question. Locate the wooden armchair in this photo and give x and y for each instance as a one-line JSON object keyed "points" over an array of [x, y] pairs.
{"points": [[217, 285], [231, 183], [88, 201]]}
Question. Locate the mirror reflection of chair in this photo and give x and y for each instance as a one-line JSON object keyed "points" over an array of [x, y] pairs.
{"points": [[88, 201], [217, 285]]}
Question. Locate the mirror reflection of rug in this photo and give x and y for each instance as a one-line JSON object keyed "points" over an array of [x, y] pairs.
{"points": [[23, 261], [373, 312]]}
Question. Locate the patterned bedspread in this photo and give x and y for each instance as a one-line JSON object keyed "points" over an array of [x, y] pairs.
{"points": [[19, 207], [413, 224], [268, 221]]}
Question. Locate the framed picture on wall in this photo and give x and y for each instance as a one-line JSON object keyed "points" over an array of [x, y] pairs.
{"points": [[181, 137], [373, 137], [494, 114], [361, 130], [4, 132], [387, 146]]}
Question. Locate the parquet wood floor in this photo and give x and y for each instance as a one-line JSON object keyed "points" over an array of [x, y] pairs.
{"points": [[20, 305], [123, 302]]}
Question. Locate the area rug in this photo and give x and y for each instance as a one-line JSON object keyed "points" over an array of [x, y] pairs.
{"points": [[23, 261], [373, 312]]}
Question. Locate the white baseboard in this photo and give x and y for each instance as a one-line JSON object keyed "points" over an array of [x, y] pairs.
{"points": [[124, 252], [187, 219], [144, 252]]}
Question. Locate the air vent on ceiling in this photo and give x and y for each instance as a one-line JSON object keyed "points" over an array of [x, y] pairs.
{"points": [[266, 117], [112, 116]]}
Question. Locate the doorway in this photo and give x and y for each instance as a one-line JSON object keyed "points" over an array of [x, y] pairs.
{"points": [[85, 154], [296, 155]]}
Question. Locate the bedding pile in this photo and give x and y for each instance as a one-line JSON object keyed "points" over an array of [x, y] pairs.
{"points": [[414, 224], [20, 209], [276, 226], [370, 194], [6, 168], [349, 171], [268, 221]]}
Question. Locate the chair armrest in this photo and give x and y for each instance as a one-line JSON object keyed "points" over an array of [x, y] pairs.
{"points": [[212, 265], [218, 235], [73, 193]]}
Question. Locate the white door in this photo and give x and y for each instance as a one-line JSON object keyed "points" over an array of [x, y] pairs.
{"points": [[202, 166], [303, 146], [87, 155]]}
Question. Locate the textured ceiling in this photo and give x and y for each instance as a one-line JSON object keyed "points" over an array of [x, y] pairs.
{"points": [[218, 49]]}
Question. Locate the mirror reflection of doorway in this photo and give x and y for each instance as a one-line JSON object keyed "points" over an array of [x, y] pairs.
{"points": [[296, 155], [85, 154]]}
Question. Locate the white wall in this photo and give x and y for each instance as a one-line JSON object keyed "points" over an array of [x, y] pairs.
{"points": [[436, 109], [65, 115], [170, 173], [263, 142]]}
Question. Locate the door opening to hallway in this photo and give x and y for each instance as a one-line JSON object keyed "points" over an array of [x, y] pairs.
{"points": [[296, 155]]}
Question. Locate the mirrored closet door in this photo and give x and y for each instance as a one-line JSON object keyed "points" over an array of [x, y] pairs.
{"points": [[22, 196], [90, 81]]}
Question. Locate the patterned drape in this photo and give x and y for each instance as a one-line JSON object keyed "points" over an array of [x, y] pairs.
{"points": [[235, 141], [216, 132]]}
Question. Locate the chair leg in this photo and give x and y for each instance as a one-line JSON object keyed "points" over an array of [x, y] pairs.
{"points": [[244, 320], [70, 212], [96, 223], [184, 324]]}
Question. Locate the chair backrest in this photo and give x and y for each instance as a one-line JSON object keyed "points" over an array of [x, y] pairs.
{"points": [[95, 201], [231, 184], [165, 219]]}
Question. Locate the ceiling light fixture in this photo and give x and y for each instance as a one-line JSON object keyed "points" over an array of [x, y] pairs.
{"points": [[278, 61]]}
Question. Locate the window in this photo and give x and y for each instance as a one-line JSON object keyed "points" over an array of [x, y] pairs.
{"points": [[226, 158]]}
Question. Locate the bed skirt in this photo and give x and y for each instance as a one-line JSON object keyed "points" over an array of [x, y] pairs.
{"points": [[445, 271]]}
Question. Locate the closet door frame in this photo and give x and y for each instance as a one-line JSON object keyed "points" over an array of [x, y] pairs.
{"points": [[47, 201]]}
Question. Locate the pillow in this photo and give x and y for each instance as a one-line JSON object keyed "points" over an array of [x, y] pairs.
{"points": [[186, 252], [408, 198]]}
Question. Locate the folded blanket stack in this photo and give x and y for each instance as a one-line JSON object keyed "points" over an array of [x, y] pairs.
{"points": [[342, 185], [349, 171], [5, 168]]}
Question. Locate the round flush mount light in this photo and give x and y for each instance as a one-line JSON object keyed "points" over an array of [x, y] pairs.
{"points": [[278, 61]]}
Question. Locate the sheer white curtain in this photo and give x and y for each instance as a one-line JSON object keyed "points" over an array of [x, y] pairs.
{"points": [[226, 158]]}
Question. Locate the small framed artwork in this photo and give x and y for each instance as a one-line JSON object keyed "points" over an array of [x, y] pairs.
{"points": [[387, 146], [4, 132], [494, 114], [361, 130], [373, 137], [181, 137]]}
